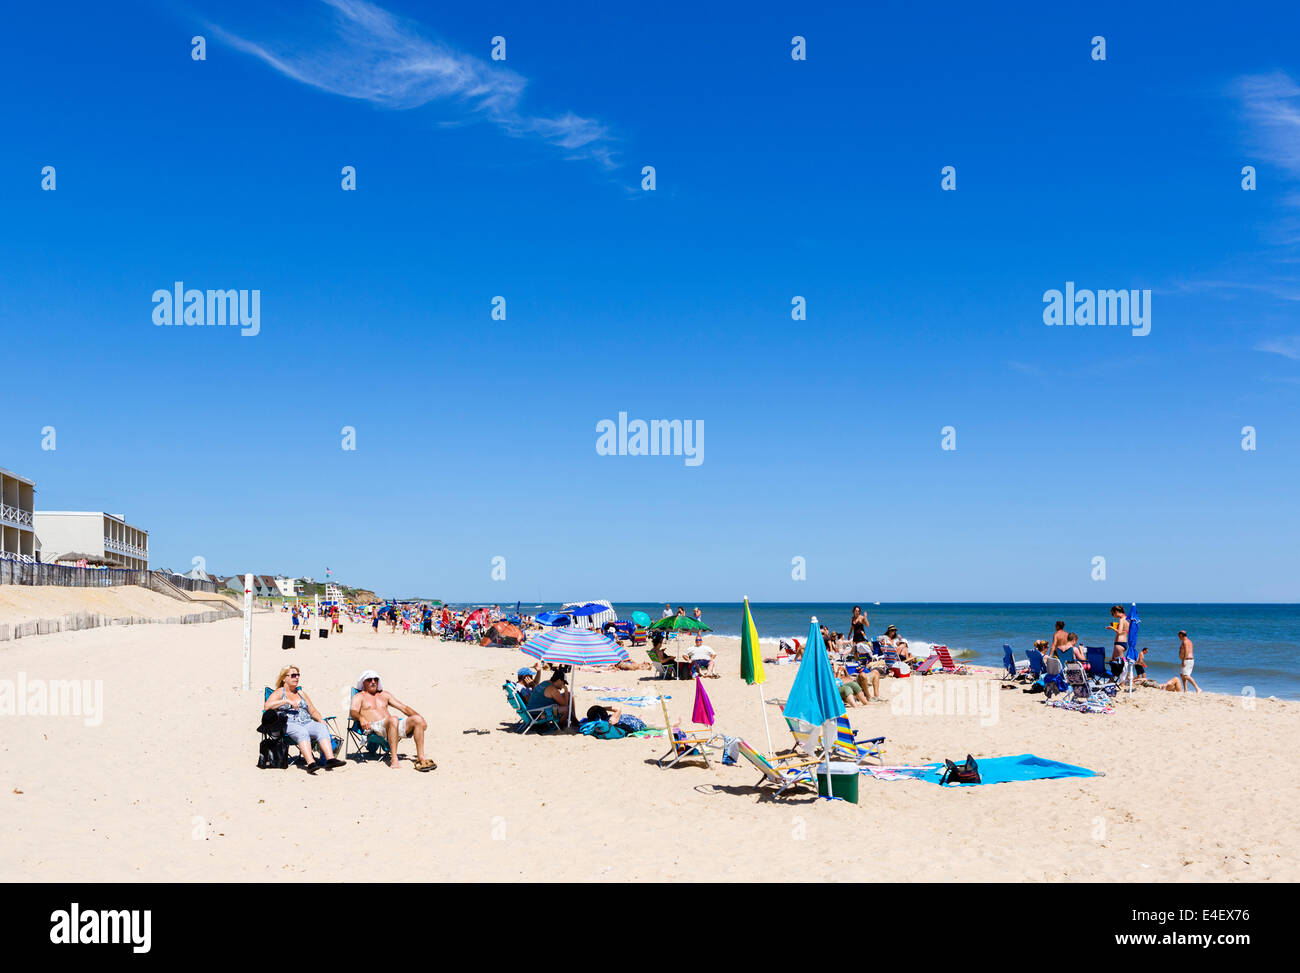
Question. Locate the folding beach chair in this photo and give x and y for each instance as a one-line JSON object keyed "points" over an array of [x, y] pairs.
{"points": [[686, 746], [1008, 663], [1053, 677], [782, 776], [945, 657], [847, 747], [1036, 664], [330, 721], [365, 744], [926, 667], [539, 716], [1097, 670], [805, 737], [1077, 680], [807, 742]]}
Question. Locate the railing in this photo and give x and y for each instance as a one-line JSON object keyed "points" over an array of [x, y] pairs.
{"points": [[28, 572], [187, 584], [15, 556], [15, 515], [121, 547]]}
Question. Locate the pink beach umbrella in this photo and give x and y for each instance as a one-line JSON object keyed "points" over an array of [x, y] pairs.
{"points": [[703, 712]]}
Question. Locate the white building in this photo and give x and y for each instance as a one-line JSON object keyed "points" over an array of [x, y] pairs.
{"points": [[287, 586], [91, 532], [17, 504]]}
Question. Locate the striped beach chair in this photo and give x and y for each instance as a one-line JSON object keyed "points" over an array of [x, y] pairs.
{"points": [[847, 747], [945, 658], [782, 775]]}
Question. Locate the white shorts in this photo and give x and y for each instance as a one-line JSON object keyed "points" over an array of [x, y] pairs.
{"points": [[1187, 666], [379, 730]]}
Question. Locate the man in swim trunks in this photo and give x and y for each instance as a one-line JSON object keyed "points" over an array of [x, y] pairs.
{"points": [[370, 708], [1185, 657], [1059, 638]]}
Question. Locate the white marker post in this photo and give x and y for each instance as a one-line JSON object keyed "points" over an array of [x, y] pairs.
{"points": [[248, 629]]}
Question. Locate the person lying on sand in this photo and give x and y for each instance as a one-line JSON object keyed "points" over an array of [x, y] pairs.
{"points": [[1174, 685], [370, 708], [304, 725]]}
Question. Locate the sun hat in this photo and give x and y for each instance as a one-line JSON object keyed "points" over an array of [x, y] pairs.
{"points": [[368, 674]]}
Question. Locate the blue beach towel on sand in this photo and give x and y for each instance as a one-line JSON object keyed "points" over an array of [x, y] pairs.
{"points": [[1025, 766]]}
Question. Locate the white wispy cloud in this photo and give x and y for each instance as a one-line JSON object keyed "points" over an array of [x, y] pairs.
{"points": [[1287, 347], [1271, 107], [367, 53]]}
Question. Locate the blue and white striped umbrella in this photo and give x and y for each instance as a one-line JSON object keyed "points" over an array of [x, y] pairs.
{"points": [[575, 647]]}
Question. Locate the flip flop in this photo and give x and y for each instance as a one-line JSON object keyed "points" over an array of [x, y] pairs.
{"points": [[425, 766]]}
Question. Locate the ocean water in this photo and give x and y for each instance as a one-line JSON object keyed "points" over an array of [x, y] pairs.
{"points": [[1239, 648]]}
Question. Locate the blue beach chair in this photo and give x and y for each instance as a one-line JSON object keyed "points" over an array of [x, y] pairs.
{"points": [[330, 721], [1097, 670], [365, 745], [1036, 664], [1008, 662], [541, 716]]}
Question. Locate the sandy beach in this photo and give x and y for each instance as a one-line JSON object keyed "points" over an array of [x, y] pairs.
{"points": [[163, 784]]}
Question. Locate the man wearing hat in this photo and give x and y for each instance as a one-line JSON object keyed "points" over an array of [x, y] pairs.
{"points": [[370, 708]]}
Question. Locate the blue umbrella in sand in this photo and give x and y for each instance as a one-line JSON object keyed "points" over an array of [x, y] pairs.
{"points": [[815, 696]]}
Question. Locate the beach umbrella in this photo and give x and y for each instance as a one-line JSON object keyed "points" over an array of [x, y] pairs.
{"points": [[1131, 653], [751, 663], [815, 696], [587, 610], [641, 619], [703, 711], [680, 623], [552, 618], [575, 647]]}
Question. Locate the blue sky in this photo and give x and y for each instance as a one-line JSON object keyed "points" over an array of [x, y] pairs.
{"points": [[476, 438]]}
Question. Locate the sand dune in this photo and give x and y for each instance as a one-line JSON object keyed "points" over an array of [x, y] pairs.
{"points": [[166, 788], [25, 603]]}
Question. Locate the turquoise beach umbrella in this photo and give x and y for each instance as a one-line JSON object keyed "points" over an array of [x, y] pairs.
{"points": [[815, 696]]}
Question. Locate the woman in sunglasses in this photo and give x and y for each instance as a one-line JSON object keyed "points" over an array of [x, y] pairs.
{"points": [[304, 725]]}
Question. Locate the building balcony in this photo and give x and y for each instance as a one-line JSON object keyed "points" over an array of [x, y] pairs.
{"points": [[16, 516], [121, 547]]}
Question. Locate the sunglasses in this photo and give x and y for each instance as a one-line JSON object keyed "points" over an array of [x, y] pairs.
{"points": [[292, 675]]}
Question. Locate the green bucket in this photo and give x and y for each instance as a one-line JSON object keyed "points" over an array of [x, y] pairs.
{"points": [[843, 781]]}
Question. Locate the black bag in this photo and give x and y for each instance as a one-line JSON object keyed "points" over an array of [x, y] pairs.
{"points": [[967, 773], [273, 751]]}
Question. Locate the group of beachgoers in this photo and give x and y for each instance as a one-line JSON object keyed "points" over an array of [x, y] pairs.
{"points": [[1065, 646], [374, 709], [381, 715], [419, 618]]}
